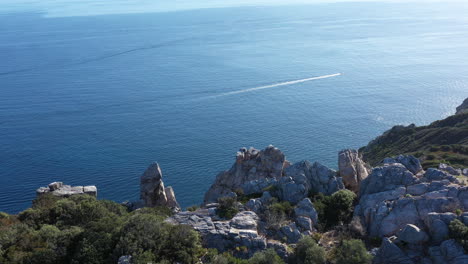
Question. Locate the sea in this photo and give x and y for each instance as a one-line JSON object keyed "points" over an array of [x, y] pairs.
{"points": [[92, 94]]}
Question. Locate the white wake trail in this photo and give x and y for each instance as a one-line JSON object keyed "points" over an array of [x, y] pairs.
{"points": [[275, 85]]}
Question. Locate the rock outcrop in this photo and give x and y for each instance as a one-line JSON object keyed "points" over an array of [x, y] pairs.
{"points": [[352, 169], [152, 190], [407, 206], [240, 231], [256, 170], [62, 190], [463, 108], [251, 164]]}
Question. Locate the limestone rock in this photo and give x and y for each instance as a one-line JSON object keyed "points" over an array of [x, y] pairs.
{"points": [[412, 234], [438, 175], [152, 190], [306, 208], [451, 250], [291, 233], [250, 165], [63, 190], [410, 162], [317, 177], [240, 231], [389, 253], [352, 169], [450, 169]]}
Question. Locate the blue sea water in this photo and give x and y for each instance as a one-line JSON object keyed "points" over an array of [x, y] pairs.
{"points": [[94, 99]]}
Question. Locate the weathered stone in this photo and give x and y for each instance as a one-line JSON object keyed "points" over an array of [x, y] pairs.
{"points": [[62, 190], [250, 165], [291, 233], [418, 189], [306, 208], [125, 260], [387, 177], [410, 162], [412, 234], [438, 175], [390, 253], [91, 190], [291, 191], [450, 249], [352, 169], [304, 222], [55, 185], [316, 177], [450, 169], [152, 190]]}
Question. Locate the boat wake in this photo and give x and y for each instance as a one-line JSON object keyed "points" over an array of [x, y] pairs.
{"points": [[274, 85]]}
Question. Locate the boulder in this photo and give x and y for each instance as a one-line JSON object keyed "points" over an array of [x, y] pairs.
{"points": [[410, 162], [388, 177], [250, 165], [306, 208], [412, 234], [451, 250], [438, 175], [352, 169], [63, 190], [290, 233], [389, 253], [316, 177], [152, 190], [451, 170], [227, 235]]}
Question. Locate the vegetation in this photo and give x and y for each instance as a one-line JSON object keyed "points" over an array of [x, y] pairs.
{"points": [[459, 232], [268, 256], [443, 141], [81, 229], [335, 209], [277, 213], [351, 251], [308, 251], [227, 207]]}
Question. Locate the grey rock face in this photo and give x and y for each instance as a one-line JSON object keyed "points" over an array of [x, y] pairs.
{"points": [[451, 250], [391, 197], [412, 234], [316, 177], [410, 162], [291, 233], [152, 190], [450, 169], [352, 169], [62, 190], [241, 230], [390, 253], [250, 165], [306, 209], [438, 175]]}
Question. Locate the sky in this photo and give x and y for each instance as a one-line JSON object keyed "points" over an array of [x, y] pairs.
{"points": [[65, 8]]}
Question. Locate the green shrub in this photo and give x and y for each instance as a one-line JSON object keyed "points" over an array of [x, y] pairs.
{"points": [[193, 208], [268, 256], [350, 252], [335, 209], [308, 251], [459, 232], [227, 207]]}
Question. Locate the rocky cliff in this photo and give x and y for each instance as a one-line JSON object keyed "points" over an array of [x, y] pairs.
{"points": [[439, 142]]}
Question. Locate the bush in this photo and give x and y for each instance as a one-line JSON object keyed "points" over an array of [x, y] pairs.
{"points": [[268, 256], [350, 252], [335, 209], [227, 207], [309, 252], [459, 232]]}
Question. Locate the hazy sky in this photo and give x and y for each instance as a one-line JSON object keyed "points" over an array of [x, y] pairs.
{"points": [[58, 8]]}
